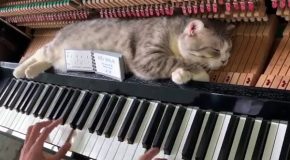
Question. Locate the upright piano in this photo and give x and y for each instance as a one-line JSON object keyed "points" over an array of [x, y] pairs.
{"points": [[243, 113]]}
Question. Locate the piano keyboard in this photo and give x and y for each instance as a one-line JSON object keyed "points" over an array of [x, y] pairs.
{"points": [[113, 127]]}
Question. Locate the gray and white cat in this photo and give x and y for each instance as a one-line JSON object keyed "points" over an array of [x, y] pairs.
{"points": [[180, 48]]}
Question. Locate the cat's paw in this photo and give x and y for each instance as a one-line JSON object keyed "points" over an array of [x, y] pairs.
{"points": [[18, 73], [202, 76], [181, 76], [31, 73]]}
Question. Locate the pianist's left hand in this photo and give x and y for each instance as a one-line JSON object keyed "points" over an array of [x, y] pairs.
{"points": [[36, 135]]}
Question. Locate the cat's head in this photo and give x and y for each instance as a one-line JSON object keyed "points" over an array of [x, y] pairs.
{"points": [[206, 42]]}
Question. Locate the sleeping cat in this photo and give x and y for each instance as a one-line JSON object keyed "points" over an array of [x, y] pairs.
{"points": [[180, 48]]}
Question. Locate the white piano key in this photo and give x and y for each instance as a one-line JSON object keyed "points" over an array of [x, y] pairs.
{"points": [[54, 101], [97, 147], [66, 132], [2, 111], [18, 135], [221, 137], [12, 117], [4, 115], [270, 140], [180, 134], [114, 148], [60, 131], [253, 139], [237, 137], [120, 154], [75, 107], [23, 93], [3, 129], [10, 93], [205, 119], [16, 120], [20, 122], [48, 146], [161, 153], [90, 145], [190, 121], [7, 117], [215, 136], [279, 141], [108, 141], [26, 123], [39, 98], [141, 132]]}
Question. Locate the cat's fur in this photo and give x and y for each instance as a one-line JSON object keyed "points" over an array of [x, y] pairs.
{"points": [[179, 48]]}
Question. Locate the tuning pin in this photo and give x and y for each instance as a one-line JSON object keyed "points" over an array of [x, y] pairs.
{"points": [[195, 8], [189, 9], [132, 11], [236, 5], [151, 10], [119, 14], [183, 7], [162, 10], [123, 12], [251, 6], [214, 7], [282, 4], [110, 15], [137, 11], [288, 3], [142, 12], [106, 13], [167, 9], [171, 9], [201, 7], [243, 5], [208, 6], [101, 13], [114, 13], [228, 6], [274, 3], [127, 12], [221, 1], [147, 14], [157, 10]]}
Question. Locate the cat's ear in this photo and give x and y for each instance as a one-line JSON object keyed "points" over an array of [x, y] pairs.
{"points": [[194, 27]]}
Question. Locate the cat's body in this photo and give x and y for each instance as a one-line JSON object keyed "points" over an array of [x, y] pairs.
{"points": [[156, 48]]}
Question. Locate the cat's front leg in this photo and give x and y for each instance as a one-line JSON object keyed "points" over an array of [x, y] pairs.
{"points": [[182, 76], [19, 72], [36, 68]]}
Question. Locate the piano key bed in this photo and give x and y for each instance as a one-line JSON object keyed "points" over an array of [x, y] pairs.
{"points": [[121, 120]]}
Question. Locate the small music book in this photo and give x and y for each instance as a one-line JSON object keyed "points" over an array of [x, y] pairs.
{"points": [[106, 63]]}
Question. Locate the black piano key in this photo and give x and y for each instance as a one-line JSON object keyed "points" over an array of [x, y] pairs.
{"points": [[245, 137], [69, 106], [262, 138], [137, 121], [229, 137], [63, 103], [17, 94], [174, 131], [192, 137], [12, 93], [98, 114], [83, 104], [44, 98], [87, 110], [48, 101], [6, 91], [153, 126], [106, 115], [57, 104], [206, 137], [128, 119], [114, 116], [24, 95], [285, 151], [161, 131], [33, 99]]}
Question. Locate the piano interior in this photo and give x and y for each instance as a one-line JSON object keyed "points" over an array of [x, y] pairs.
{"points": [[242, 113]]}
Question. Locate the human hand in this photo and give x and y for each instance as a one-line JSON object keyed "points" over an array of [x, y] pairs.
{"points": [[150, 154], [35, 138]]}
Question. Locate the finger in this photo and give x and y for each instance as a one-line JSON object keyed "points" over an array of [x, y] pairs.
{"points": [[71, 134], [62, 151], [28, 134], [35, 131], [46, 131], [150, 154]]}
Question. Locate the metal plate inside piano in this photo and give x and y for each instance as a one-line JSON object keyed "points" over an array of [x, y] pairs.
{"points": [[121, 120]]}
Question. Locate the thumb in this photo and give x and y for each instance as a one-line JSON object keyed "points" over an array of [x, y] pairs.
{"points": [[150, 154], [62, 151]]}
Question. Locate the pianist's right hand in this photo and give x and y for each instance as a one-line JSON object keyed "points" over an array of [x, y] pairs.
{"points": [[38, 133]]}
